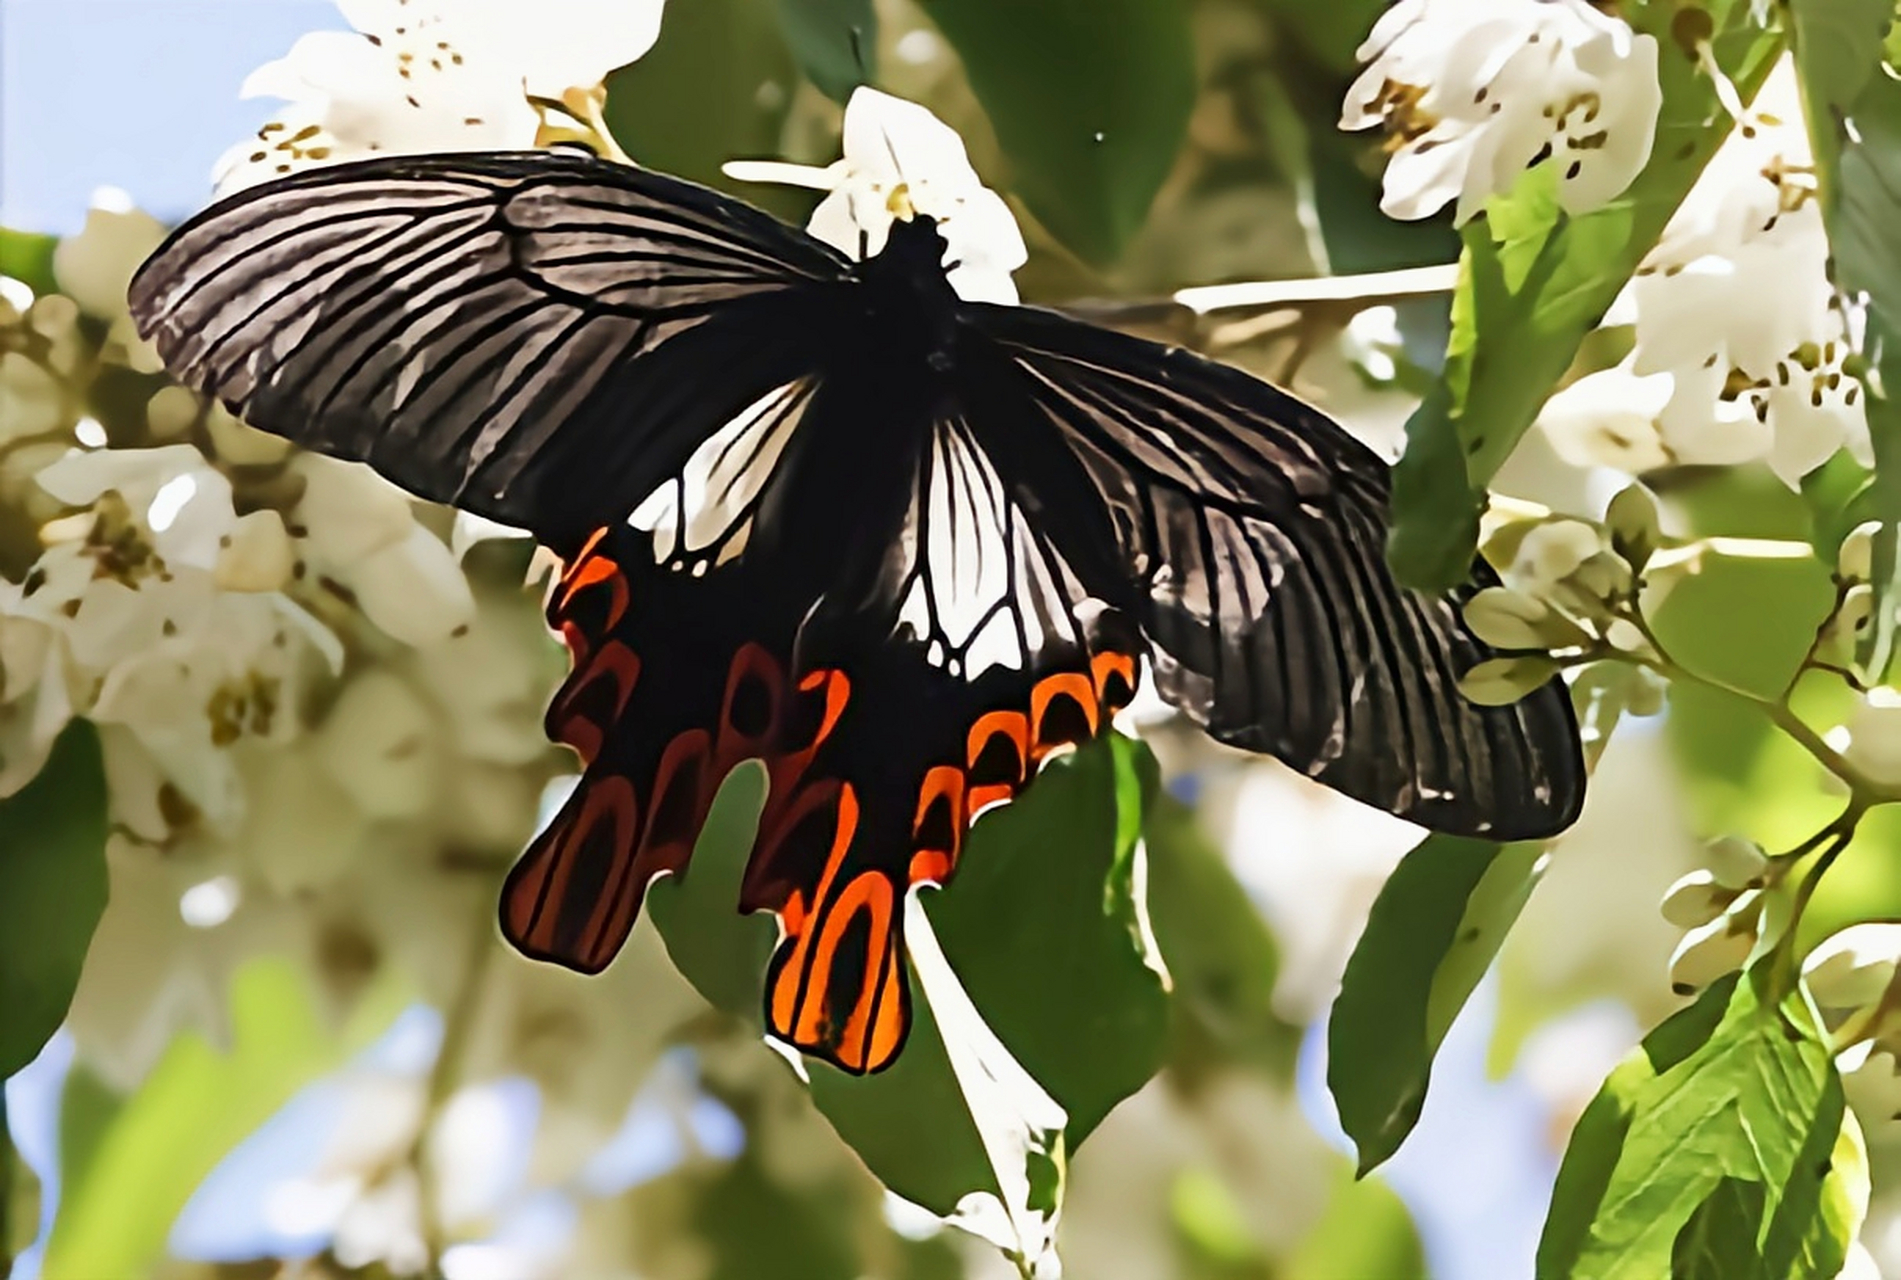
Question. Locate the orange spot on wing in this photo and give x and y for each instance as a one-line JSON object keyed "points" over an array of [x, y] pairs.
{"points": [[930, 866], [869, 892], [1114, 675], [1052, 691], [999, 752], [591, 571], [790, 976]]}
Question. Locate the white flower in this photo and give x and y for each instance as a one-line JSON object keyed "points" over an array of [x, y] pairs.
{"points": [[901, 160], [1741, 340], [1854, 966], [1473, 92], [432, 76], [1871, 740], [147, 634], [94, 267], [356, 530]]}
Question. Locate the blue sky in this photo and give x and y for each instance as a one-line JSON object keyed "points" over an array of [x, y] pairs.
{"points": [[139, 94]]}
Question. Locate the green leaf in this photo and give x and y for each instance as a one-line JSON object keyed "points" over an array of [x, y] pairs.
{"points": [[52, 891], [147, 1157], [1045, 927], [1533, 282], [27, 256], [1719, 1240], [1041, 924], [1219, 951], [1437, 923], [1730, 1091], [835, 42], [721, 952], [715, 87], [1853, 107], [1090, 100]]}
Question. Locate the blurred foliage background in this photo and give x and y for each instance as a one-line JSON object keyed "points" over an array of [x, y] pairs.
{"points": [[297, 1046]]}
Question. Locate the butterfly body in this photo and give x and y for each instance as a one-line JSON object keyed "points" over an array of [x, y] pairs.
{"points": [[826, 514]]}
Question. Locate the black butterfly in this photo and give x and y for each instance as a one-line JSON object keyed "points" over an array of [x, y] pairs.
{"points": [[825, 513]]}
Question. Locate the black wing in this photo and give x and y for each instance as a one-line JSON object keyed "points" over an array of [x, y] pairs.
{"points": [[537, 337], [1245, 533]]}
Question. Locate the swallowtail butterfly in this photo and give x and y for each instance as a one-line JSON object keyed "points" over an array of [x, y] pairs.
{"points": [[900, 546]]}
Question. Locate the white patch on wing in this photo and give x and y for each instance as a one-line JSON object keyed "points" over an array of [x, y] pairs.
{"points": [[711, 501], [982, 593]]}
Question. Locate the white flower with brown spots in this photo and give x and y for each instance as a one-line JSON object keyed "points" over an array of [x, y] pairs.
{"points": [[1472, 93]]}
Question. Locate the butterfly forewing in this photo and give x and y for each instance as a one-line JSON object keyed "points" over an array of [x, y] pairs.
{"points": [[536, 337]]}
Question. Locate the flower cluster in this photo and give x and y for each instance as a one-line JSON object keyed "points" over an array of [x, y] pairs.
{"points": [[1725, 906], [901, 161], [1472, 93], [1743, 348], [417, 77]]}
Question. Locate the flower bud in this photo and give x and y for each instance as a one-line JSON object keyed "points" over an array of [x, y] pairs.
{"points": [[1842, 633], [1853, 967], [1708, 952], [1507, 619], [1497, 682], [1735, 863], [1695, 900], [1635, 529], [1855, 559]]}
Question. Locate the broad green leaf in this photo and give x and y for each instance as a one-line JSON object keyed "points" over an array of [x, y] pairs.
{"points": [[27, 256], [1853, 105], [1222, 958], [835, 42], [1047, 928], [119, 1203], [1434, 928], [1533, 283], [722, 953], [52, 891], [715, 87], [1090, 100], [1044, 925], [1041, 926], [1719, 1240], [1730, 1091]]}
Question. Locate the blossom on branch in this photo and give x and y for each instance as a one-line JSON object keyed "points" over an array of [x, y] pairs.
{"points": [[432, 76], [901, 160], [1472, 93], [1742, 342]]}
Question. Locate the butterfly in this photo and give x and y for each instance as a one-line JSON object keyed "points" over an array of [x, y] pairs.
{"points": [[824, 513]]}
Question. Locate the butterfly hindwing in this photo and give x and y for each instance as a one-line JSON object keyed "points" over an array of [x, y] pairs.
{"points": [[900, 759], [675, 681]]}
